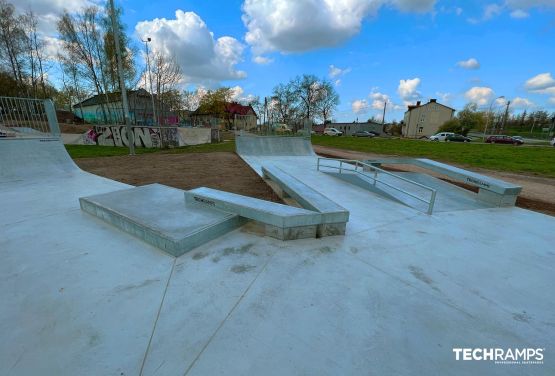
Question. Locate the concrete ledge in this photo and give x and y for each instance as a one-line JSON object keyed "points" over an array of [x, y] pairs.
{"points": [[307, 197], [270, 213], [491, 190]]}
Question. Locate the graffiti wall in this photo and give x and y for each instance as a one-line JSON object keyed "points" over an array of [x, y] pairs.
{"points": [[146, 137]]}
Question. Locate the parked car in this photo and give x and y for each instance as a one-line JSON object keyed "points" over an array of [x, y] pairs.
{"points": [[552, 142], [363, 134], [457, 138], [282, 128], [503, 139], [518, 138], [332, 132], [441, 136], [374, 133]]}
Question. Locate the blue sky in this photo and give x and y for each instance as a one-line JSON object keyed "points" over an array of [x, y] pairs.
{"points": [[455, 51]]}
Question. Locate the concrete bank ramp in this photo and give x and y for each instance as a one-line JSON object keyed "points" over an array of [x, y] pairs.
{"points": [[253, 145]]}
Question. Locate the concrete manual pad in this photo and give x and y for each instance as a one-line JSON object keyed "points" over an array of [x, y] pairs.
{"points": [[157, 214]]}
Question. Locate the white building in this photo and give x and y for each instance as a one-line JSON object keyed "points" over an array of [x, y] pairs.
{"points": [[424, 120]]}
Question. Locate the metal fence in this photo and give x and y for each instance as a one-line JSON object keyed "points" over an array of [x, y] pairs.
{"points": [[28, 117]]}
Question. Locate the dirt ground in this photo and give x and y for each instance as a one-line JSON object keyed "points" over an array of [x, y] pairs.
{"points": [[538, 193], [228, 172], [218, 170]]}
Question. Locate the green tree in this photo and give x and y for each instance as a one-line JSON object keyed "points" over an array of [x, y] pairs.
{"points": [[454, 125], [214, 103], [470, 118]]}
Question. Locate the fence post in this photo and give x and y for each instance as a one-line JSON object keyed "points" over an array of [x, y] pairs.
{"points": [[51, 116]]}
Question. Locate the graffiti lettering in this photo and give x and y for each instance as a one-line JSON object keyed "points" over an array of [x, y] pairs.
{"points": [[147, 137]]}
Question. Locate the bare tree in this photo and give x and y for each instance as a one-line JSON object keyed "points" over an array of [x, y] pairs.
{"points": [[304, 97], [81, 40], [327, 101], [35, 53], [167, 74], [12, 40], [309, 91], [285, 102], [191, 99]]}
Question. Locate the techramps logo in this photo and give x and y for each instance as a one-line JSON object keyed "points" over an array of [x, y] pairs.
{"points": [[516, 356]]}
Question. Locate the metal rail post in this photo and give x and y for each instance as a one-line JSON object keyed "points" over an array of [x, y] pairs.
{"points": [[51, 116], [432, 201]]}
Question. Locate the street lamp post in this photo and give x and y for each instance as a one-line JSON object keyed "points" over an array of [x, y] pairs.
{"points": [[155, 118], [489, 115]]}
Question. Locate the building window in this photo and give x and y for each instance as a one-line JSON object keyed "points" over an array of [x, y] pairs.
{"points": [[420, 129]]}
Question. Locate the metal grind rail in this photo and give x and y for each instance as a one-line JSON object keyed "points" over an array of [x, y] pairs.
{"points": [[375, 178], [29, 113]]}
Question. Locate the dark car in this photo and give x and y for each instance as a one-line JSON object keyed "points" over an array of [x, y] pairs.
{"points": [[502, 139], [457, 138], [363, 134]]}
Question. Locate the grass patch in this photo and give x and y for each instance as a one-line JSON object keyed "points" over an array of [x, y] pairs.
{"points": [[93, 151], [538, 160]]}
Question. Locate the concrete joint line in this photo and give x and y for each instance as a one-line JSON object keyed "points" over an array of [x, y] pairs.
{"points": [[410, 285], [157, 317], [226, 318]]}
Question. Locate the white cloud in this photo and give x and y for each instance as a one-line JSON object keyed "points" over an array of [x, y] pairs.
{"points": [[491, 10], [378, 100], [471, 63], [237, 92], [336, 71], [500, 101], [48, 11], [519, 102], [518, 9], [540, 82], [337, 82], [519, 14], [479, 95], [262, 60], [551, 100], [238, 95], [360, 106], [52, 47], [301, 25], [444, 98], [526, 4], [458, 11], [408, 89], [203, 59]]}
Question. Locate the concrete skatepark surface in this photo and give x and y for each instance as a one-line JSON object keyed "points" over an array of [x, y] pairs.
{"points": [[393, 296]]}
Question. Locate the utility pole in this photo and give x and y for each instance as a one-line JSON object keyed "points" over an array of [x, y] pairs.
{"points": [[384, 107], [265, 109], [506, 115], [154, 117], [130, 135]]}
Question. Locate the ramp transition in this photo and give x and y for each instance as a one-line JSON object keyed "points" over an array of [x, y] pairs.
{"points": [[252, 145], [34, 158]]}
